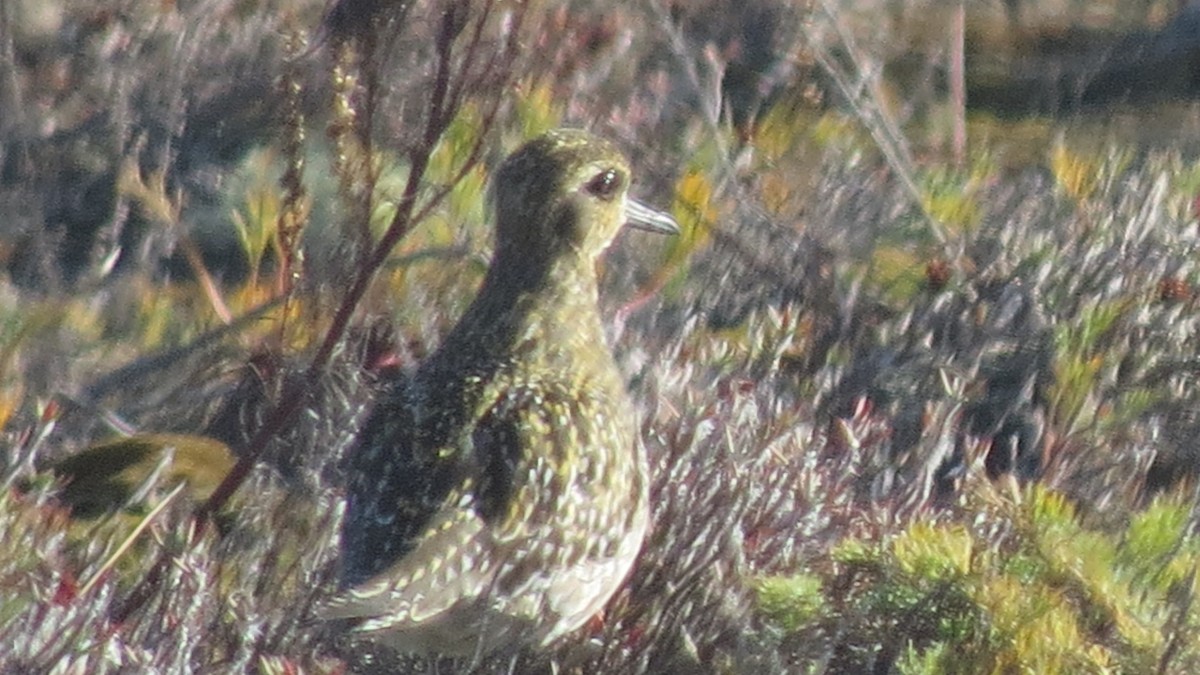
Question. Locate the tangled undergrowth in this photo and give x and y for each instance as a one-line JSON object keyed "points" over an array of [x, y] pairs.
{"points": [[904, 416]]}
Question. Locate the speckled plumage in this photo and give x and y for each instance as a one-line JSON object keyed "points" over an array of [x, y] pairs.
{"points": [[498, 496]]}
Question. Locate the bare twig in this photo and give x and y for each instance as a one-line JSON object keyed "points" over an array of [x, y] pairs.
{"points": [[882, 128]]}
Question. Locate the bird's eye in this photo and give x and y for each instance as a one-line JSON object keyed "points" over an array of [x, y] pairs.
{"points": [[604, 185]]}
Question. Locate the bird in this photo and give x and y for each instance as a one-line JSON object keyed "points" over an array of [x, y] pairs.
{"points": [[498, 496], [124, 473]]}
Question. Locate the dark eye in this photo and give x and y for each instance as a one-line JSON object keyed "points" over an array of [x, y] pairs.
{"points": [[604, 185]]}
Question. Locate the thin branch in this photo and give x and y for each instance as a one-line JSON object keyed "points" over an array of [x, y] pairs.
{"points": [[888, 138], [455, 96]]}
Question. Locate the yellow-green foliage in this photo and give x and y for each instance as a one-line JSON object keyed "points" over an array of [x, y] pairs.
{"points": [[1075, 174], [1081, 363], [258, 218], [1157, 548], [936, 553], [1082, 174], [697, 214], [790, 601], [781, 128], [949, 196], [835, 129], [1048, 596], [466, 203], [897, 271], [536, 110], [788, 143]]}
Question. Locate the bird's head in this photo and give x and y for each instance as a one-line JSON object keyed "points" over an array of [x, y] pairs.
{"points": [[564, 193]]}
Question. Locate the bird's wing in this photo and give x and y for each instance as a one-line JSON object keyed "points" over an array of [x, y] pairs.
{"points": [[497, 446], [452, 469], [472, 468], [526, 453], [396, 487]]}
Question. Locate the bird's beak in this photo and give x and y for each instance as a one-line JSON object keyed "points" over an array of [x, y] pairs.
{"points": [[643, 217]]}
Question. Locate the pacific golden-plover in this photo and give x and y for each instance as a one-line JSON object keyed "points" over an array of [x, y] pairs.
{"points": [[497, 497]]}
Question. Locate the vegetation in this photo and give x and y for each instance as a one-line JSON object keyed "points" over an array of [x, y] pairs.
{"points": [[913, 405]]}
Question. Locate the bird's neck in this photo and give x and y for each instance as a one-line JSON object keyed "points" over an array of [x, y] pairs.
{"points": [[520, 304]]}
